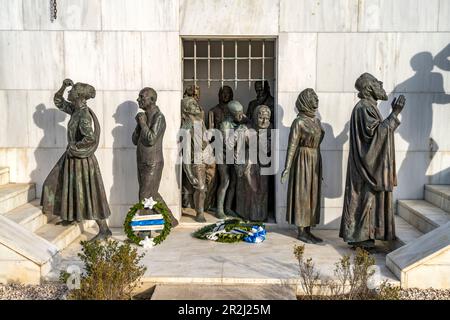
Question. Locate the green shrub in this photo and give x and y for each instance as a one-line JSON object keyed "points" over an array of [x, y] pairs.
{"points": [[351, 277], [112, 271]]}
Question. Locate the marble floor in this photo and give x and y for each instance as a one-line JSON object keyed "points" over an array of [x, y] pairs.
{"points": [[182, 259]]}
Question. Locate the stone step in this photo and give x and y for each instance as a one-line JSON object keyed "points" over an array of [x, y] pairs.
{"points": [[422, 214], [224, 292], [29, 215], [4, 175], [13, 195], [24, 256], [439, 195], [424, 262], [62, 236], [405, 232]]}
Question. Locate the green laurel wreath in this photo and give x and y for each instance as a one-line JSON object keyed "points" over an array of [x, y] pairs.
{"points": [[229, 225], [159, 208]]}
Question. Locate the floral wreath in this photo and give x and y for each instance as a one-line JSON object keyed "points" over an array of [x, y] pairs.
{"points": [[232, 231], [160, 208]]}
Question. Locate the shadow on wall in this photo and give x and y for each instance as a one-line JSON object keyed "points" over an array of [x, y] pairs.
{"points": [[124, 187], [49, 120], [332, 182], [422, 90]]}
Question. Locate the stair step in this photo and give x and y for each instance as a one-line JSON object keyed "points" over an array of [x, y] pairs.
{"points": [[223, 292], [4, 175], [25, 242], [62, 236], [439, 195], [13, 195], [422, 214], [424, 262], [405, 232], [29, 215]]}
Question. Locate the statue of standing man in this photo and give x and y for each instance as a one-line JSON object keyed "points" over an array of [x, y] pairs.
{"points": [[148, 137], [368, 213]]}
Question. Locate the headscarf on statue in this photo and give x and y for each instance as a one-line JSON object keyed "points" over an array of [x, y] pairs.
{"points": [[305, 104]]}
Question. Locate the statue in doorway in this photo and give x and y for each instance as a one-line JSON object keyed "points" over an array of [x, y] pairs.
{"points": [[217, 114], [304, 167], [148, 137], [194, 168], [74, 189], [263, 97], [368, 212], [252, 188], [235, 121]]}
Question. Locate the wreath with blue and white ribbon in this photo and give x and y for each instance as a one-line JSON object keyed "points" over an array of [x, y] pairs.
{"points": [[138, 226], [233, 230]]}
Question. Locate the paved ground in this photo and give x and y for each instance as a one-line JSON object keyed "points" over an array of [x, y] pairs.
{"points": [[182, 259], [224, 292]]}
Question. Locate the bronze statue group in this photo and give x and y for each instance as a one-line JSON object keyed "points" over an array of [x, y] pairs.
{"points": [[74, 188]]}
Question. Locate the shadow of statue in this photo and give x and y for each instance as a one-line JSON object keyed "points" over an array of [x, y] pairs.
{"points": [[332, 186], [124, 188], [50, 121], [422, 90]]}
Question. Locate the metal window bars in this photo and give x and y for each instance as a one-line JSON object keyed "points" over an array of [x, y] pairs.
{"points": [[215, 78]]}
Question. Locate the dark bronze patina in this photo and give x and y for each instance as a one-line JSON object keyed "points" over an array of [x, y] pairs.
{"points": [[217, 114], [252, 188], [263, 97], [368, 213], [74, 188], [235, 121], [304, 167], [148, 137]]}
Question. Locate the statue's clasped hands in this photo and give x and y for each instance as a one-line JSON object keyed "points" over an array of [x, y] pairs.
{"points": [[141, 118]]}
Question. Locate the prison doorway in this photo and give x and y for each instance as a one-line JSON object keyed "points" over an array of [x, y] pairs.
{"points": [[212, 64]]}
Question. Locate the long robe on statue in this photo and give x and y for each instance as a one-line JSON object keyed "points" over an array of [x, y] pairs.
{"points": [[368, 206]]}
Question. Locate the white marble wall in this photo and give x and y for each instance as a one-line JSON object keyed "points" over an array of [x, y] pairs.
{"points": [[120, 46], [117, 46]]}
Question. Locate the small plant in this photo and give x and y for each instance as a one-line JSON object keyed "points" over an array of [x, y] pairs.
{"points": [[387, 291], [351, 278], [361, 272], [112, 271], [310, 277]]}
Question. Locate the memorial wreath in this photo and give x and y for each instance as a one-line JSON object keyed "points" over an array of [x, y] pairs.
{"points": [[136, 224], [233, 230]]}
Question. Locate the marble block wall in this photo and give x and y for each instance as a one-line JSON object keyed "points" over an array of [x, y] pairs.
{"points": [[120, 46]]}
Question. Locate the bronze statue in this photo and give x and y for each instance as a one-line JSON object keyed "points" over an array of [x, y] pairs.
{"points": [[252, 188], [193, 91], [263, 97], [74, 189], [368, 213], [304, 167], [217, 114], [235, 120], [194, 178], [148, 137]]}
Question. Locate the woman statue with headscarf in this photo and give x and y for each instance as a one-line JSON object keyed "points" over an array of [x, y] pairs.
{"points": [[304, 167]]}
